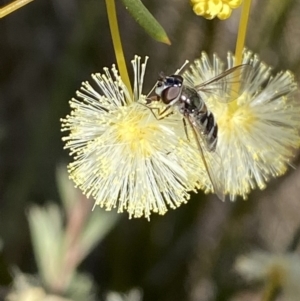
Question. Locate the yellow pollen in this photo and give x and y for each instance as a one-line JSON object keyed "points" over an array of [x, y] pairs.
{"points": [[129, 132], [236, 117], [135, 133]]}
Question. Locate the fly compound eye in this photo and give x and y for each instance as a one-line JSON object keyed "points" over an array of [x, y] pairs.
{"points": [[169, 88], [170, 94]]}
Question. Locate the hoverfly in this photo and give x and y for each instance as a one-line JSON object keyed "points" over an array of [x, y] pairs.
{"points": [[188, 99]]}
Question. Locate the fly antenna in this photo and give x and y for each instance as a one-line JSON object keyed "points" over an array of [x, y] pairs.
{"points": [[184, 64], [161, 76]]}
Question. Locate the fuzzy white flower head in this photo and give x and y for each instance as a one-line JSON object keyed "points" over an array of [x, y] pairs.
{"points": [[132, 295], [28, 288], [259, 131], [282, 270], [123, 155]]}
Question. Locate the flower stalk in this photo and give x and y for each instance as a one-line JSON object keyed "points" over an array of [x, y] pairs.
{"points": [[115, 34], [271, 291], [240, 43], [11, 7]]}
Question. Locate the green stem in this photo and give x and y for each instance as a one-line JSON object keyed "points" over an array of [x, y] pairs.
{"points": [[11, 7], [271, 291], [240, 43], [115, 34]]}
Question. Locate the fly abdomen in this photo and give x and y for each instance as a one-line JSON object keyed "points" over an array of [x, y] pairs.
{"points": [[209, 127]]}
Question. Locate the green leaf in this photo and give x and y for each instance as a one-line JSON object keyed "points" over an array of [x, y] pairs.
{"points": [[144, 18], [46, 228], [99, 224]]}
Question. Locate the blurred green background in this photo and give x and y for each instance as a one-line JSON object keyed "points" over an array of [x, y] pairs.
{"points": [[47, 49]]}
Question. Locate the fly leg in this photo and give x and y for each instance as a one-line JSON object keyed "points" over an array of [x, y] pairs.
{"points": [[185, 129], [160, 114]]}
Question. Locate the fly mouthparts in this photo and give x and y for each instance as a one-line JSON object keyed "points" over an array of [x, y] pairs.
{"points": [[150, 99]]}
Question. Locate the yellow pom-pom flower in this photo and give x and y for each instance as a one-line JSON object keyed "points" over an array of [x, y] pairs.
{"points": [[124, 157], [258, 131], [210, 9]]}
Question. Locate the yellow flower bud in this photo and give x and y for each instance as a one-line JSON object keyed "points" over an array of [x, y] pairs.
{"points": [[210, 9]]}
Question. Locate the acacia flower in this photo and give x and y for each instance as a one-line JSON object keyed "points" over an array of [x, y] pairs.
{"points": [[132, 295], [28, 288], [280, 271], [210, 9], [259, 131], [124, 156]]}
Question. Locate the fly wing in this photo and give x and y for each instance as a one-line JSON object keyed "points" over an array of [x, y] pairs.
{"points": [[228, 85], [212, 162]]}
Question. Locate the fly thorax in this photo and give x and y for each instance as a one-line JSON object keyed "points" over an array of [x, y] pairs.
{"points": [[193, 101]]}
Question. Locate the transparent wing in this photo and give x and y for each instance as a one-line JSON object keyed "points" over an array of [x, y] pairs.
{"points": [[228, 85], [212, 162]]}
